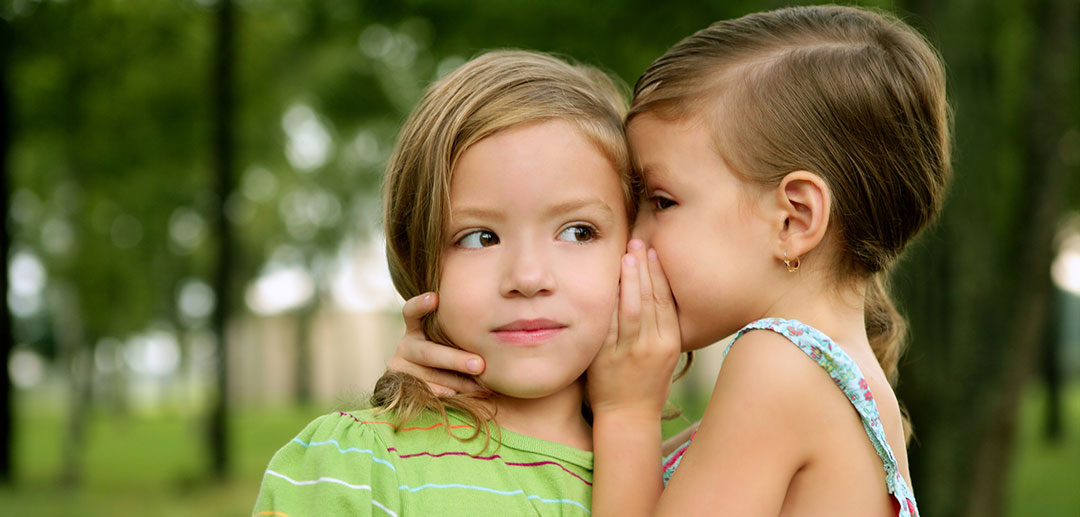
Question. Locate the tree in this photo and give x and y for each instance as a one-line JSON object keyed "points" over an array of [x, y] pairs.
{"points": [[977, 288], [7, 336], [223, 144], [99, 130]]}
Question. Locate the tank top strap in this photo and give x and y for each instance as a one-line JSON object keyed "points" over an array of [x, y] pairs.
{"points": [[849, 378]]}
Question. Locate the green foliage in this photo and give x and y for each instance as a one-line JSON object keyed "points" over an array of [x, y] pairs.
{"points": [[108, 137], [113, 137]]}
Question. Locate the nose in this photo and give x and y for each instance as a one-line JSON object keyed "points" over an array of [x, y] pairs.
{"points": [[528, 272]]}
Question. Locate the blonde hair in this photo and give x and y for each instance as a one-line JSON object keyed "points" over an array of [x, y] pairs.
{"points": [[853, 95], [492, 92]]}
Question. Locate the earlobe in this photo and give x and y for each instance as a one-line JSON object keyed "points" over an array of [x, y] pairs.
{"points": [[805, 202]]}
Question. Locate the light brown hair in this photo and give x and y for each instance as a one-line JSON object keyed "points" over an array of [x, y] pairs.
{"points": [[853, 95], [492, 92]]}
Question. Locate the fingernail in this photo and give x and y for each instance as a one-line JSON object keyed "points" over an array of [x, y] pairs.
{"points": [[629, 260], [636, 244], [473, 365], [652, 254]]}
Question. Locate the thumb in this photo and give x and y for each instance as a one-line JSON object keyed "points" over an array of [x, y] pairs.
{"points": [[415, 309]]}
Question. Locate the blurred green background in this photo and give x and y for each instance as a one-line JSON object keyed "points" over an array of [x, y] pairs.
{"points": [[194, 267]]}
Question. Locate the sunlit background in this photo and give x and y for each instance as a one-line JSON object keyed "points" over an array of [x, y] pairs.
{"points": [[195, 267]]}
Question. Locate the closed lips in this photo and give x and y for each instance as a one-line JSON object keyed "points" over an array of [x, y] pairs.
{"points": [[529, 332]]}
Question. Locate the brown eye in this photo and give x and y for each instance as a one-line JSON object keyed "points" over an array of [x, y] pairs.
{"points": [[478, 239], [661, 203], [578, 233]]}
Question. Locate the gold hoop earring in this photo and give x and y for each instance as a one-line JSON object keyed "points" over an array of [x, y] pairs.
{"points": [[791, 265]]}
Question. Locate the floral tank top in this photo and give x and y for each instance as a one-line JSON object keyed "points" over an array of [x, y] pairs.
{"points": [[847, 376]]}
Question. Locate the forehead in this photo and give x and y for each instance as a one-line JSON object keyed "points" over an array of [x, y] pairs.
{"points": [[656, 143], [536, 163]]}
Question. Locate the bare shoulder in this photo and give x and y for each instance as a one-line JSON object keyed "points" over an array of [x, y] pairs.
{"points": [[792, 392], [766, 346], [772, 366]]}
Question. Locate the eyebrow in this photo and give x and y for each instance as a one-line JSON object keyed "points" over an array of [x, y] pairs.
{"points": [[650, 170], [479, 212], [580, 204], [475, 212]]}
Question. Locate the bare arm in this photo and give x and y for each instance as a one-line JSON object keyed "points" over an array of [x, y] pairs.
{"points": [[757, 432]]}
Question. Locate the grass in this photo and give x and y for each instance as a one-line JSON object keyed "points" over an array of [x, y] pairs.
{"points": [[154, 465], [1045, 475], [145, 465]]}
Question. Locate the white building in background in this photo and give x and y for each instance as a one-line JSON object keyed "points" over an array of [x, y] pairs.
{"points": [[351, 337], [349, 352]]}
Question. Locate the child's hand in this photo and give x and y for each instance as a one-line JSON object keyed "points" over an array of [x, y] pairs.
{"points": [[632, 371], [628, 386], [436, 364]]}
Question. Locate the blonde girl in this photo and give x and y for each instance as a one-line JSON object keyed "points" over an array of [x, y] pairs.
{"points": [[789, 157], [510, 195]]}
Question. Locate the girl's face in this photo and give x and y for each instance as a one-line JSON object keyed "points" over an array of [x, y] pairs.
{"points": [[530, 272], [706, 226]]}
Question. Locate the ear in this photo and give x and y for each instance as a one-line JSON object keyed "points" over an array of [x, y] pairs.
{"points": [[804, 202]]}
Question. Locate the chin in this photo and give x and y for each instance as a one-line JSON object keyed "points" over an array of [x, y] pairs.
{"points": [[522, 392], [523, 387], [698, 338]]}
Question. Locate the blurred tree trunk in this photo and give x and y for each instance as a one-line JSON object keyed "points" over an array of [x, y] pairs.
{"points": [[1051, 369], [977, 288], [74, 343], [223, 145], [80, 362], [7, 334]]}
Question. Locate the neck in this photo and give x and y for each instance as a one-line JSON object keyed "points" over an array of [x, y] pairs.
{"points": [[555, 418], [809, 297]]}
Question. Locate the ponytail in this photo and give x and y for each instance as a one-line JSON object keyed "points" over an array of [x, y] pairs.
{"points": [[886, 329]]}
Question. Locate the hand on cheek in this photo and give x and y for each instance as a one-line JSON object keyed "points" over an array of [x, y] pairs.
{"points": [[437, 365], [632, 371]]}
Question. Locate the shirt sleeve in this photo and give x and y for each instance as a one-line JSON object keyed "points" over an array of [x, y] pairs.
{"points": [[335, 466]]}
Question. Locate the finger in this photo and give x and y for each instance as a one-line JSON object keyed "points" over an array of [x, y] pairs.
{"points": [[435, 379], [441, 391], [453, 383], [612, 337], [425, 353], [648, 310], [415, 309], [667, 318], [629, 301]]}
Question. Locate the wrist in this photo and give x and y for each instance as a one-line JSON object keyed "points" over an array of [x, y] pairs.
{"points": [[637, 409], [626, 415]]}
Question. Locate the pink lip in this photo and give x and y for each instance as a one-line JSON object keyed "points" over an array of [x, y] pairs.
{"points": [[529, 332]]}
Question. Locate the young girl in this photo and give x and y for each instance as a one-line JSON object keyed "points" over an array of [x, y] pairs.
{"points": [[789, 157], [510, 194]]}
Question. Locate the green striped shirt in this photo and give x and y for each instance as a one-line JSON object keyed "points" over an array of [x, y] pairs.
{"points": [[353, 463]]}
